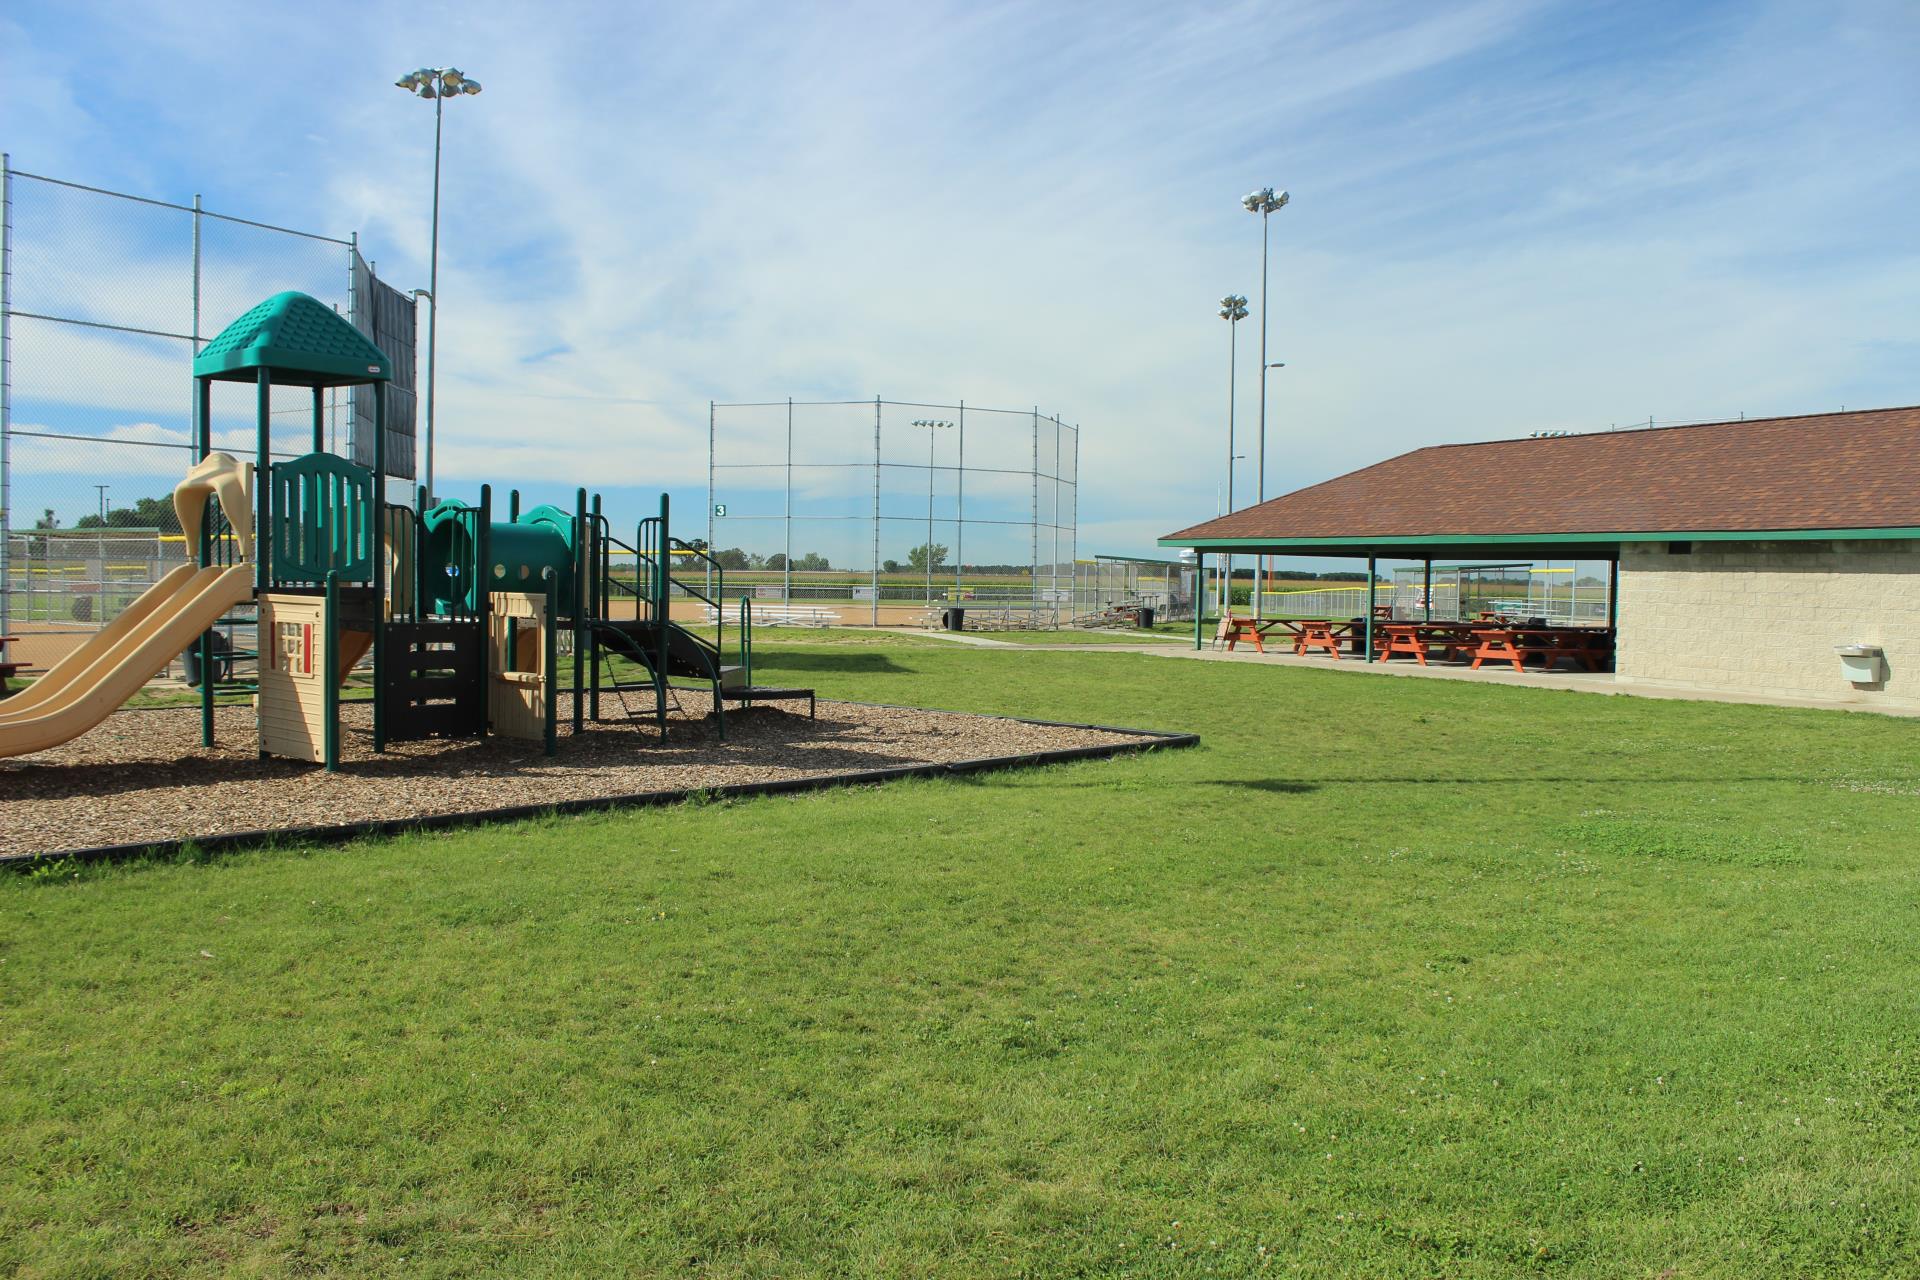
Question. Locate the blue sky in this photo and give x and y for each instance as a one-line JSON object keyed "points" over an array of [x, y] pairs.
{"points": [[1506, 217]]}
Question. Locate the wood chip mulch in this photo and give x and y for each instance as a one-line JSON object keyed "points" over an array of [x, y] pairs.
{"points": [[142, 775]]}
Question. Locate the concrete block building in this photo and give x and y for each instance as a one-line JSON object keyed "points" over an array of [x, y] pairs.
{"points": [[1747, 555]]}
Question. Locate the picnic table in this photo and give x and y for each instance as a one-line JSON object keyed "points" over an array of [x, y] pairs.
{"points": [[1234, 629], [1479, 641], [7, 669], [1327, 635], [1588, 646], [1419, 639], [1305, 633]]}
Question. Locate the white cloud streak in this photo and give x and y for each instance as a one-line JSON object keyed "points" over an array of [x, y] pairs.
{"points": [[1507, 216]]}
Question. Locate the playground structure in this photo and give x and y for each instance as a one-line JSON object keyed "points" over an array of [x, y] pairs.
{"points": [[460, 613]]}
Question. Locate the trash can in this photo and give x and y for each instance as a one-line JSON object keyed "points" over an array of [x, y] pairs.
{"points": [[1143, 617], [954, 619], [222, 659]]}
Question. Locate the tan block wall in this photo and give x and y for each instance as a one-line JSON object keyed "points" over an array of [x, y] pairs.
{"points": [[1764, 617]]}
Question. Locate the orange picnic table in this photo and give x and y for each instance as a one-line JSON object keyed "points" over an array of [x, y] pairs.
{"points": [[1233, 630], [1306, 633], [1586, 645], [1420, 639]]}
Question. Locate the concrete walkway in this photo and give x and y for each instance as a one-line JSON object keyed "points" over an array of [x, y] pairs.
{"points": [[1575, 681], [958, 637]]}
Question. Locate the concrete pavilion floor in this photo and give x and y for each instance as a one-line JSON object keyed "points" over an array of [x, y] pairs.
{"points": [[1561, 678]]}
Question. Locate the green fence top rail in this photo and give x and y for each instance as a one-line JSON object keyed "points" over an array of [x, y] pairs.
{"points": [[299, 340]]}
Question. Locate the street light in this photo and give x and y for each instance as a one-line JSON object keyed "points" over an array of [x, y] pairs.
{"points": [[1264, 202], [437, 83], [1233, 309], [932, 425]]}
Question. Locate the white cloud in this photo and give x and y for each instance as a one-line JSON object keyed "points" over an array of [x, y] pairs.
{"points": [[1506, 217]]}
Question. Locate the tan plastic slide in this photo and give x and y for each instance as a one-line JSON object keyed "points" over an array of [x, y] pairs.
{"points": [[90, 684]]}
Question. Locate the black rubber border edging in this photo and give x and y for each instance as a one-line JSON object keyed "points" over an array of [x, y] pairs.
{"points": [[343, 833]]}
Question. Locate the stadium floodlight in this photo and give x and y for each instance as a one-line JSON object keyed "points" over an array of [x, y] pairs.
{"points": [[1263, 201], [437, 83]]}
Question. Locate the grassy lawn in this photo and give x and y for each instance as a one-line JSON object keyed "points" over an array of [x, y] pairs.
{"points": [[1388, 978]]}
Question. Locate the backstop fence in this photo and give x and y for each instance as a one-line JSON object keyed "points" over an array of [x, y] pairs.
{"points": [[104, 299], [884, 512], [1114, 590]]}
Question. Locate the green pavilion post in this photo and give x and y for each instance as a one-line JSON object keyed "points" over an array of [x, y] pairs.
{"points": [[1370, 598], [1199, 596]]}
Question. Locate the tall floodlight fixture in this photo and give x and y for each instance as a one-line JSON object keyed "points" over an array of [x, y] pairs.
{"points": [[439, 84], [1233, 309], [1264, 202], [932, 426]]}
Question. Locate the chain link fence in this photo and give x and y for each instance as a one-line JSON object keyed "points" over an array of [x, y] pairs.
{"points": [[1132, 591], [888, 512], [104, 299], [1563, 593]]}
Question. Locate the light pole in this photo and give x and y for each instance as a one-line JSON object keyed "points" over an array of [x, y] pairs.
{"points": [[437, 83], [1265, 566], [416, 295], [931, 425], [1233, 309], [101, 489], [1264, 202]]}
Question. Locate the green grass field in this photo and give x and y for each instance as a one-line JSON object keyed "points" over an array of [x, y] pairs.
{"points": [[1387, 978]]}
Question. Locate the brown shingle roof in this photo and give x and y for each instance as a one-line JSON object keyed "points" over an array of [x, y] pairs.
{"points": [[1854, 470]]}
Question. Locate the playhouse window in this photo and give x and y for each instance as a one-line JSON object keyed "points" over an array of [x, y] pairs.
{"points": [[293, 648]]}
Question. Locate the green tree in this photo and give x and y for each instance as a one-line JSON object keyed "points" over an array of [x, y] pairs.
{"points": [[812, 561], [776, 561], [732, 558], [145, 513], [917, 558]]}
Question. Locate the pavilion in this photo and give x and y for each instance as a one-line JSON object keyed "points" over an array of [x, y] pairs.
{"points": [[1775, 557]]}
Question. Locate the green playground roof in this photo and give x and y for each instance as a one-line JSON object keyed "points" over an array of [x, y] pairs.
{"points": [[299, 340]]}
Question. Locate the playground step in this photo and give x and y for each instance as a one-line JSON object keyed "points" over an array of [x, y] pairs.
{"points": [[688, 657]]}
